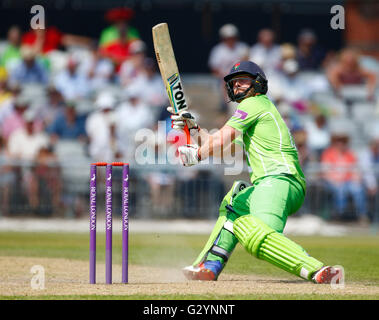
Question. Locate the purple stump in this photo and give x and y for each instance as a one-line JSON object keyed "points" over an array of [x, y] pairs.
{"points": [[108, 224], [92, 226], [125, 221]]}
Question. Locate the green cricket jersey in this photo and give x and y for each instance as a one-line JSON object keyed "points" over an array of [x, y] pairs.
{"points": [[266, 139]]}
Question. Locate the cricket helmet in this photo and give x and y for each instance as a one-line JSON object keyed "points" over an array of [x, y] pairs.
{"points": [[259, 82]]}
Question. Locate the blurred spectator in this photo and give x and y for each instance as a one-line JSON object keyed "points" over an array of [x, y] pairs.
{"points": [[305, 158], [265, 52], [116, 39], [54, 105], [29, 69], [98, 69], [25, 142], [154, 93], [15, 119], [133, 68], [289, 83], [11, 55], [162, 182], [46, 182], [117, 51], [370, 164], [119, 19], [369, 160], [289, 116], [71, 83], [309, 55], [101, 129], [225, 54], [27, 145], [286, 85], [347, 71], [43, 41], [300, 139], [318, 135], [6, 95], [7, 178], [68, 125], [24, 145], [339, 168], [132, 115], [287, 52]]}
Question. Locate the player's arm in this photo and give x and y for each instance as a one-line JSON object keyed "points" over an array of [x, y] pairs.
{"points": [[215, 144], [180, 121], [226, 149]]}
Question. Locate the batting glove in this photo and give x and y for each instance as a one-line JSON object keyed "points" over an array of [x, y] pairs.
{"points": [[179, 121], [189, 154]]}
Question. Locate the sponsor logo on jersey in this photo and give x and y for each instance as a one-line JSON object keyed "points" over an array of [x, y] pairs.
{"points": [[240, 114]]}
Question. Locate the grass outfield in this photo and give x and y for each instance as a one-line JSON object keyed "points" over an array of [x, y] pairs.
{"points": [[359, 255]]}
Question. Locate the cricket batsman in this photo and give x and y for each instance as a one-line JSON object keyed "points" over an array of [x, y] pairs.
{"points": [[254, 214]]}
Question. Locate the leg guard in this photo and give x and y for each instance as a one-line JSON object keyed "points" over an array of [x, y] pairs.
{"points": [[224, 245], [265, 243], [221, 241], [212, 238]]}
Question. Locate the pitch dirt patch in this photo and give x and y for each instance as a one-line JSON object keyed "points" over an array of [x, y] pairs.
{"points": [[70, 277]]}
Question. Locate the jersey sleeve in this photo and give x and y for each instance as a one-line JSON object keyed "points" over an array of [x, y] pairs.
{"points": [[247, 112]]}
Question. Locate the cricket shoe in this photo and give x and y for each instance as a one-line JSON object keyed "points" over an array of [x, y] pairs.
{"points": [[206, 271], [328, 274]]}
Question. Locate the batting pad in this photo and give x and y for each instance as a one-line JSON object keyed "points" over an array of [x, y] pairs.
{"points": [[267, 244], [212, 238], [227, 241]]}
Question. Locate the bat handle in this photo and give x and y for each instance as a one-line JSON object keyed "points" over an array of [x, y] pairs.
{"points": [[188, 135]]}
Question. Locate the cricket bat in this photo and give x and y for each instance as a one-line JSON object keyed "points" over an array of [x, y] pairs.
{"points": [[169, 70]]}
